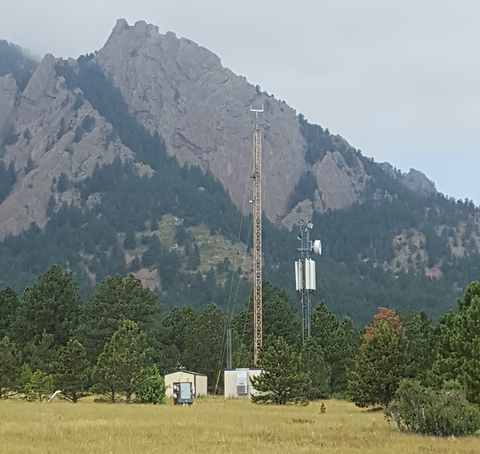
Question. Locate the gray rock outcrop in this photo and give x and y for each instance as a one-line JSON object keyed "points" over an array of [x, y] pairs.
{"points": [[45, 120]]}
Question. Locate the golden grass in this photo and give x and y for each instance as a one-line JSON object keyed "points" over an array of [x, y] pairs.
{"points": [[211, 425]]}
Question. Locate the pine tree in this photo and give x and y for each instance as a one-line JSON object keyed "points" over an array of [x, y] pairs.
{"points": [[117, 299], [314, 364], [9, 303], [52, 305], [339, 343], [172, 338], [9, 365], [279, 318], [382, 362], [419, 332], [38, 386], [71, 370], [122, 364], [457, 345], [130, 241], [281, 380], [152, 389], [203, 352], [40, 354]]}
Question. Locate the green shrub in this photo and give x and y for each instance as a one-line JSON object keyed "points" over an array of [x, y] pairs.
{"points": [[445, 412], [35, 385], [152, 389]]}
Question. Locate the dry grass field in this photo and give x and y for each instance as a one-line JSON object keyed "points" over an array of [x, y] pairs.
{"points": [[211, 425]]}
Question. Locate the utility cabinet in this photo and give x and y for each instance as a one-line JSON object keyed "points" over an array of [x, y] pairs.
{"points": [[237, 383], [182, 393]]}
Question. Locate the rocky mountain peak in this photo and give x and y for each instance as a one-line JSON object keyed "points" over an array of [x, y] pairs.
{"points": [[202, 111], [413, 180]]}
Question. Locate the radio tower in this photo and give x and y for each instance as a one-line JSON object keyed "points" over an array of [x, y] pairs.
{"points": [[305, 277], [257, 238]]}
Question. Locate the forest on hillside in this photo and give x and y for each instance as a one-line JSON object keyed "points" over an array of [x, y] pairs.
{"points": [[92, 240]]}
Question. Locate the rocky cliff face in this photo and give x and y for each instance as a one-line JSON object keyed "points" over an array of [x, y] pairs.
{"points": [[413, 180], [202, 111], [50, 137]]}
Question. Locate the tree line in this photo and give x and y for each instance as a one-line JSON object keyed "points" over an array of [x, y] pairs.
{"points": [[120, 338], [120, 342]]}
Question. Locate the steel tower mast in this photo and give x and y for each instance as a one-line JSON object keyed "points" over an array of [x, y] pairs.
{"points": [[305, 276], [257, 238]]}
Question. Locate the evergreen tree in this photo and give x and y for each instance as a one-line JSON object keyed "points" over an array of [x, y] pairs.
{"points": [[40, 354], [314, 364], [172, 337], [130, 241], [193, 258], [135, 265], [9, 366], [241, 356], [71, 370], [279, 318], [457, 345], [9, 303], [281, 380], [52, 305], [122, 365], [205, 351], [339, 343], [419, 333], [37, 385], [382, 362], [117, 299]]}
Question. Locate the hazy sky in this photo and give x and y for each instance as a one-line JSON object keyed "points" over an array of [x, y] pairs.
{"points": [[399, 80]]}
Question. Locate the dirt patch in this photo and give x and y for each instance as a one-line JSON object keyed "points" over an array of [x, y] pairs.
{"points": [[149, 278]]}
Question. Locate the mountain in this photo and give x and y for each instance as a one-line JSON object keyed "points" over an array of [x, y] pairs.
{"points": [[150, 139]]}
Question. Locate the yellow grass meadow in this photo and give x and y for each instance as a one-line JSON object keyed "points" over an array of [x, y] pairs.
{"points": [[211, 425]]}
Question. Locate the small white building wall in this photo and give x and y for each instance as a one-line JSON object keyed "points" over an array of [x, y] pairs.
{"points": [[198, 381], [230, 384]]}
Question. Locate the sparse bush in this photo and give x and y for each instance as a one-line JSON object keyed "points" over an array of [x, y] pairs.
{"points": [[36, 385]]}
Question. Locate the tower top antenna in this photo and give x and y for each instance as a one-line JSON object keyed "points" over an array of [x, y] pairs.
{"points": [[257, 111]]}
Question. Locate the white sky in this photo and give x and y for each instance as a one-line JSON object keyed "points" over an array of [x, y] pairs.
{"points": [[400, 80]]}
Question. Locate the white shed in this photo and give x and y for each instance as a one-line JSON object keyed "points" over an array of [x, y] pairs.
{"points": [[198, 381], [237, 383]]}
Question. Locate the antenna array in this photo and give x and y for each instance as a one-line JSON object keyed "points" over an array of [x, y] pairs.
{"points": [[305, 277]]}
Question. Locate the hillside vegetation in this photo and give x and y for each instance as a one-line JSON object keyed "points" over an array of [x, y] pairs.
{"points": [[393, 248]]}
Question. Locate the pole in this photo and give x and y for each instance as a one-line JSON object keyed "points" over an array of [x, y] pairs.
{"points": [[257, 238]]}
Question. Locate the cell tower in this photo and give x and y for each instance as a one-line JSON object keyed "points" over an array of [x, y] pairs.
{"points": [[257, 238], [305, 277]]}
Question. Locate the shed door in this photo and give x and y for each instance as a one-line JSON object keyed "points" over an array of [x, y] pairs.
{"points": [[185, 391]]}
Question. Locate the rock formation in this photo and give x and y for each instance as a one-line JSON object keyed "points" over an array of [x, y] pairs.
{"points": [[202, 111], [46, 121]]}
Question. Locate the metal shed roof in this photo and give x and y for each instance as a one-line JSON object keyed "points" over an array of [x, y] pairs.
{"points": [[185, 372]]}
